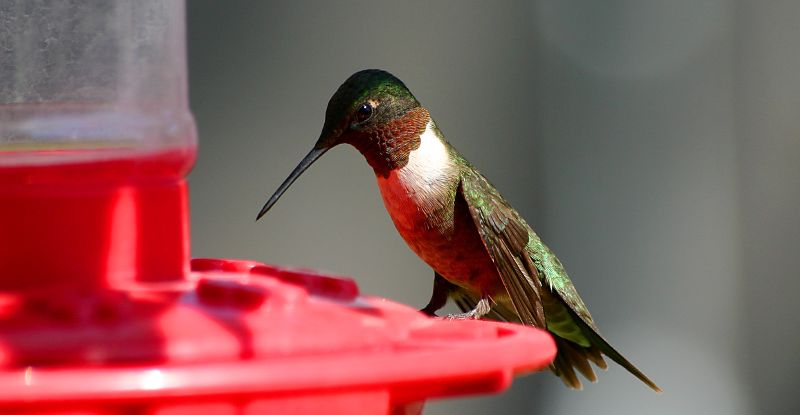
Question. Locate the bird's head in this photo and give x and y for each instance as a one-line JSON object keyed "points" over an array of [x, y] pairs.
{"points": [[374, 112]]}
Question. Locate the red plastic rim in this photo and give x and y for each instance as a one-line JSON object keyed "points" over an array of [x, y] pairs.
{"points": [[240, 328]]}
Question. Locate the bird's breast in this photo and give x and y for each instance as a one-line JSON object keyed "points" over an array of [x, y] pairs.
{"points": [[421, 200], [440, 231], [419, 193]]}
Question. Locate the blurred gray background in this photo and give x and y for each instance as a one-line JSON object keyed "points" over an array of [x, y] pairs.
{"points": [[654, 145]]}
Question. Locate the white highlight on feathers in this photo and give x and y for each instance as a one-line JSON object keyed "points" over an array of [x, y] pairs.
{"points": [[418, 187], [428, 164]]}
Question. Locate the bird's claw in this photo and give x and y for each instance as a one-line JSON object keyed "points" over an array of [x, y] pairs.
{"points": [[470, 315]]}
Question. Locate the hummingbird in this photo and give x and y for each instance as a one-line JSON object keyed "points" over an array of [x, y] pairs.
{"points": [[485, 257]]}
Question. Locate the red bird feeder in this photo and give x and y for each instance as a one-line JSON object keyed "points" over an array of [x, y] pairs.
{"points": [[101, 311]]}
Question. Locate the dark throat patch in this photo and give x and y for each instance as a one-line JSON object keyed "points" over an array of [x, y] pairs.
{"points": [[387, 147]]}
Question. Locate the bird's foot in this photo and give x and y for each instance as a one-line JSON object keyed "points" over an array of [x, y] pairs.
{"points": [[469, 315], [481, 309]]}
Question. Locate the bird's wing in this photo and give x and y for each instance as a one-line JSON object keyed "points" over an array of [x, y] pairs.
{"points": [[505, 236], [521, 260]]}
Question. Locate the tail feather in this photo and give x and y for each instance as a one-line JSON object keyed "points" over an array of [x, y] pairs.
{"points": [[583, 340], [596, 357], [578, 359], [570, 357], [603, 346], [562, 367]]}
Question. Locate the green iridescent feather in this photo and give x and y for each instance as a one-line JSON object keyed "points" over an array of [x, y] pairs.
{"points": [[512, 244]]}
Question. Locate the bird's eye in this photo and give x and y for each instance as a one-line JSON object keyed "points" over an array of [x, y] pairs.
{"points": [[363, 112]]}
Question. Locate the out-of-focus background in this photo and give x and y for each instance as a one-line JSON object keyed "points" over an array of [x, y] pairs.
{"points": [[654, 145]]}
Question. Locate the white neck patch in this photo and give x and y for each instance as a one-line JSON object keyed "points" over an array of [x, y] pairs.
{"points": [[429, 162], [421, 184]]}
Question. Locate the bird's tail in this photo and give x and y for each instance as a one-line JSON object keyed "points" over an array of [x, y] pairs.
{"points": [[571, 355]]}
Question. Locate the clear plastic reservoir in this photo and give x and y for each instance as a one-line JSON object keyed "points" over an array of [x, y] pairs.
{"points": [[92, 79]]}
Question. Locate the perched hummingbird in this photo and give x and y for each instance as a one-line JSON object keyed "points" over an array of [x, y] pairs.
{"points": [[485, 257]]}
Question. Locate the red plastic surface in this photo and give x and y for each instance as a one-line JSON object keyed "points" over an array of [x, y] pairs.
{"points": [[99, 314]]}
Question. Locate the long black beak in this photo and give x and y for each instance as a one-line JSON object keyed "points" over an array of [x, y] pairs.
{"points": [[307, 161]]}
